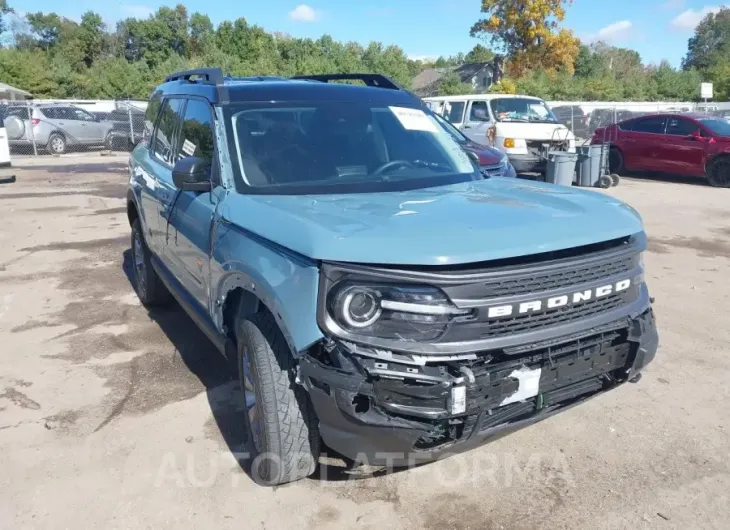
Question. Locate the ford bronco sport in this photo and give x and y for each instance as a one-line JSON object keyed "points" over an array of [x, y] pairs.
{"points": [[376, 291]]}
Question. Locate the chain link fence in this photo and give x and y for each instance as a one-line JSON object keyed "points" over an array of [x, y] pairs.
{"points": [[57, 127], [584, 118]]}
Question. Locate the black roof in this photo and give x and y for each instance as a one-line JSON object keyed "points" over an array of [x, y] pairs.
{"points": [[212, 85]]}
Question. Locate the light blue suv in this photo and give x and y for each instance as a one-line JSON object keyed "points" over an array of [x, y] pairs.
{"points": [[375, 291]]}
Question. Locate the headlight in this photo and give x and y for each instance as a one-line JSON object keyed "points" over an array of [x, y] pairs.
{"points": [[406, 312]]}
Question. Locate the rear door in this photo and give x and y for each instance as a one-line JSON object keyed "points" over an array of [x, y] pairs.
{"points": [[642, 144], [477, 121], [187, 250], [682, 151], [152, 173]]}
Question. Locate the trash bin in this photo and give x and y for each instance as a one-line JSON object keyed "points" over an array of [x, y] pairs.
{"points": [[561, 168], [590, 166]]}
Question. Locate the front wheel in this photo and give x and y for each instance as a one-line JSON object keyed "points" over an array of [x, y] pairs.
{"points": [[718, 172], [280, 424]]}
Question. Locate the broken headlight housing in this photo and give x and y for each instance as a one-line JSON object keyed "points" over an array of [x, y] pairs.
{"points": [[401, 312]]}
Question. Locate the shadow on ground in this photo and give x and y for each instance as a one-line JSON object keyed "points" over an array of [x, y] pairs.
{"points": [[219, 378]]}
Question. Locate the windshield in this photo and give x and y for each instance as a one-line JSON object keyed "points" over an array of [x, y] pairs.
{"points": [[455, 133], [719, 127], [522, 109], [342, 147]]}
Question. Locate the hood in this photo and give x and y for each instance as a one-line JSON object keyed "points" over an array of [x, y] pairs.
{"points": [[460, 223], [488, 156], [533, 131]]}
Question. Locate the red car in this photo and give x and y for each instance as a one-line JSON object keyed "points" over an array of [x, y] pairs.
{"points": [[695, 145]]}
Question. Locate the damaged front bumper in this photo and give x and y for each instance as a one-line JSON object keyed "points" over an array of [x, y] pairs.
{"points": [[386, 408]]}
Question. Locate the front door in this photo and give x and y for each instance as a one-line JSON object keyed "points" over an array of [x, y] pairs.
{"points": [[683, 148], [477, 122], [188, 247]]}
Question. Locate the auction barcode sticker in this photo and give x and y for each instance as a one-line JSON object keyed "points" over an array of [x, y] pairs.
{"points": [[413, 119]]}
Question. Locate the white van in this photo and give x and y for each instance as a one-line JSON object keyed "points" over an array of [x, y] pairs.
{"points": [[523, 127]]}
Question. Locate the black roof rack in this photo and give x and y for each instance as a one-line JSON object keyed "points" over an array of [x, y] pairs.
{"points": [[372, 80], [211, 76]]}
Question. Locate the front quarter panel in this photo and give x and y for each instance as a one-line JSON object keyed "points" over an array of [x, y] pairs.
{"points": [[286, 283]]}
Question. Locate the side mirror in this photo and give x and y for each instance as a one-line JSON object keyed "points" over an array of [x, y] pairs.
{"points": [[191, 174]]}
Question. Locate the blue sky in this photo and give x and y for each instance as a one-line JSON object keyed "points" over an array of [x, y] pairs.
{"points": [[657, 29]]}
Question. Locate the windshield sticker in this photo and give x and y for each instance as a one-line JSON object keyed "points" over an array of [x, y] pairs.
{"points": [[413, 119], [188, 147]]}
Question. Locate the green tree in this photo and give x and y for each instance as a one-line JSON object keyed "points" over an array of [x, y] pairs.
{"points": [[479, 54], [710, 44], [450, 84]]}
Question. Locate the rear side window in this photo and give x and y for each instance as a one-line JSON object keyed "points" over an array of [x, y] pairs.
{"points": [[455, 113], [49, 113], [681, 127], [196, 137], [654, 125], [164, 136], [150, 116]]}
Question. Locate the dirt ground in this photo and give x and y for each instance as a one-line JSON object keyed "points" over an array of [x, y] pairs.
{"points": [[112, 415]]}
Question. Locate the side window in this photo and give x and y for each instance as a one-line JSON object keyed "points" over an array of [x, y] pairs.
{"points": [[81, 115], [162, 148], [653, 125], [196, 137], [479, 111], [455, 111], [49, 113], [150, 116], [681, 127]]}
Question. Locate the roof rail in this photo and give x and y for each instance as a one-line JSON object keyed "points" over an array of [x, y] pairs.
{"points": [[372, 80], [211, 76]]}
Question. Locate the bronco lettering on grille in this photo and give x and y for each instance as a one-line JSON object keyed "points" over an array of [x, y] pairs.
{"points": [[546, 304]]}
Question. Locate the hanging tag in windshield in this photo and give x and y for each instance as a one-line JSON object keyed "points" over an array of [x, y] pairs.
{"points": [[413, 119]]}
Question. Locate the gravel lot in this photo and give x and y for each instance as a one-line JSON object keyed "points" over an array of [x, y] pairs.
{"points": [[112, 415]]}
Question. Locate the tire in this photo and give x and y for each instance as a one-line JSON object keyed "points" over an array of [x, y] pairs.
{"points": [[280, 423], [616, 161], [718, 172], [109, 142], [615, 179], [604, 182], [56, 144], [149, 287]]}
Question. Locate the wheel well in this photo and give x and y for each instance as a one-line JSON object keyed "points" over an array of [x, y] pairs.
{"points": [[239, 303], [59, 133], [132, 214], [715, 159]]}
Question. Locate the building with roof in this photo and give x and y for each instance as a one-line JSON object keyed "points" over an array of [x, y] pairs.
{"points": [[479, 75], [11, 93]]}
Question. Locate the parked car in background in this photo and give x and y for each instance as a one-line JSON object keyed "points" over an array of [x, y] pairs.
{"points": [[695, 145], [605, 117], [724, 114], [522, 127], [55, 127], [574, 118], [492, 162], [127, 127]]}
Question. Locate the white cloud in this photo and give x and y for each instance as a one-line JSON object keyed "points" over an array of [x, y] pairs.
{"points": [[135, 11], [425, 58], [304, 13], [688, 20], [613, 32], [673, 5]]}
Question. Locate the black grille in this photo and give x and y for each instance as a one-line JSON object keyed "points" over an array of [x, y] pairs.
{"points": [[493, 171], [568, 277], [561, 315]]}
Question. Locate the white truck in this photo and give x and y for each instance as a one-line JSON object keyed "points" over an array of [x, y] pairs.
{"points": [[523, 127]]}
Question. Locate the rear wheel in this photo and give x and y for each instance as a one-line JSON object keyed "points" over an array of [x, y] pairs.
{"points": [[280, 424], [150, 289], [616, 161], [718, 172], [605, 182], [56, 144]]}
